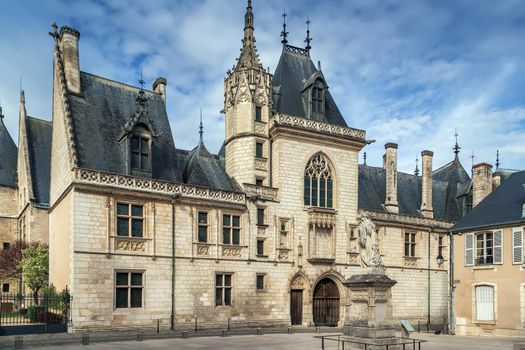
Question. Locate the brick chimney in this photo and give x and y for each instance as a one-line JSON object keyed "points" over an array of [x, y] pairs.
{"points": [[69, 46], [159, 86], [426, 184], [481, 182], [391, 178]]}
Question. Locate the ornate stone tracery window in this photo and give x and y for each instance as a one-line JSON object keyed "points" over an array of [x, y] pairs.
{"points": [[318, 183]]}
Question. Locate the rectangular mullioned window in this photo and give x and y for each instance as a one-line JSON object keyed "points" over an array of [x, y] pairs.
{"points": [[129, 289], [130, 220], [223, 289], [203, 227], [231, 229], [410, 244]]}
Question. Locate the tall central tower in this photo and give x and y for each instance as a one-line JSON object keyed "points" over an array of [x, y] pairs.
{"points": [[247, 104]]}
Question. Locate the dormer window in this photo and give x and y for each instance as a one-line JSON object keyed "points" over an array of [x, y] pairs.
{"points": [[317, 98], [140, 150]]}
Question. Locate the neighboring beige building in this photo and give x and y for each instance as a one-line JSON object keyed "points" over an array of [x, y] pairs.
{"points": [[263, 233], [488, 277]]}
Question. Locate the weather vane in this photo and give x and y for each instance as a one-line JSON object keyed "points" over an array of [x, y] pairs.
{"points": [[308, 39], [284, 33]]}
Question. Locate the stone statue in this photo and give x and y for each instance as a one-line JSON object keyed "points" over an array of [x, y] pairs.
{"points": [[369, 244]]}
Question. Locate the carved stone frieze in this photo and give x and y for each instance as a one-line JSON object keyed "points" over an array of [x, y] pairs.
{"points": [[405, 219], [203, 250], [162, 187], [130, 244], [261, 163], [410, 261], [268, 193], [260, 128], [321, 218], [313, 125], [284, 254], [231, 251]]}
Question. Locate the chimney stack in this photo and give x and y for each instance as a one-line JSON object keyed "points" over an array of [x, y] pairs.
{"points": [[481, 182], [159, 86], [496, 180], [391, 178], [69, 47], [426, 184]]}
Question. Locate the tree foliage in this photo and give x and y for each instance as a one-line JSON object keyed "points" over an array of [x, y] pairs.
{"points": [[11, 259], [35, 267]]}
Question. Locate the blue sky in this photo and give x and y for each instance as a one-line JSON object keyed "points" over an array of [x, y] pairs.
{"points": [[405, 71]]}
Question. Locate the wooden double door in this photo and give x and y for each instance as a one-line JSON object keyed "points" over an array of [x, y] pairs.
{"points": [[326, 303]]}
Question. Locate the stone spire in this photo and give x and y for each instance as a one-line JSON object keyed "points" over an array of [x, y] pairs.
{"points": [[497, 152], [249, 57], [416, 171]]}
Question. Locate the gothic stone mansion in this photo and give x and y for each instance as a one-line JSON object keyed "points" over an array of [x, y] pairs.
{"points": [[262, 233]]}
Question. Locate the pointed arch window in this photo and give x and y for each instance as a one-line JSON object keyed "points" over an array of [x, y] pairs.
{"points": [[318, 183], [140, 150]]}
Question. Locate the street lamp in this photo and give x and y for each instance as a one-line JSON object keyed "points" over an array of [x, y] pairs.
{"points": [[440, 259]]}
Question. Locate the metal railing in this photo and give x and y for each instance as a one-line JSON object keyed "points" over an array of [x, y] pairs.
{"points": [[22, 310], [404, 343]]}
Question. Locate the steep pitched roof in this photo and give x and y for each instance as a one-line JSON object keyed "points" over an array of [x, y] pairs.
{"points": [[39, 143], [372, 191], [201, 168], [501, 207], [458, 184], [101, 117], [8, 157], [294, 70]]}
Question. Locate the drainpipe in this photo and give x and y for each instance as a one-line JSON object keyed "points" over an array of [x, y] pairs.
{"points": [[428, 302], [172, 318], [451, 321], [270, 156]]}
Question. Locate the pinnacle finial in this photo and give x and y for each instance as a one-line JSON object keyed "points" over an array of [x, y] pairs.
{"points": [[284, 33], [456, 147], [201, 130], [1, 114], [364, 158], [22, 96], [472, 157], [416, 171], [248, 18], [141, 81], [497, 159], [308, 39], [54, 31]]}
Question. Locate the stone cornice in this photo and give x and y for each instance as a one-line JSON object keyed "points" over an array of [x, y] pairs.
{"points": [[318, 127], [85, 176], [406, 219]]}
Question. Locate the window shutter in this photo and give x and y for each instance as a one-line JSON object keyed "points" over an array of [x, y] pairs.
{"points": [[485, 303], [469, 249], [498, 247], [517, 246]]}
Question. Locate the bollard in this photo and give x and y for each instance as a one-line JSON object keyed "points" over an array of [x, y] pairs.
{"points": [[184, 334], [418, 327], [317, 329], [158, 325], [224, 332], [19, 342], [228, 324], [259, 331], [140, 336], [195, 323], [85, 339], [289, 330]]}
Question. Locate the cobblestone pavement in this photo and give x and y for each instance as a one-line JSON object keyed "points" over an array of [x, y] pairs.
{"points": [[304, 341]]}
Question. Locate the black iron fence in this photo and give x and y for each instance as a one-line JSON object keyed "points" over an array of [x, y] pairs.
{"points": [[31, 310]]}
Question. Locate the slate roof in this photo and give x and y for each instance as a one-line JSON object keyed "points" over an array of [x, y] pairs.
{"points": [[201, 168], [99, 123], [372, 191], [8, 157], [294, 70], [502, 207], [39, 143]]}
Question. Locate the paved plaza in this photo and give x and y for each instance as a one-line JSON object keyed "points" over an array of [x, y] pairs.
{"points": [[304, 341]]}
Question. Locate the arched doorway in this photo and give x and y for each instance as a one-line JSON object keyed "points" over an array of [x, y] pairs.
{"points": [[326, 303], [296, 300]]}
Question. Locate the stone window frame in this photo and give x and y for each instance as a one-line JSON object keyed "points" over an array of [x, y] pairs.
{"points": [[328, 172], [141, 132], [223, 287], [5, 287], [495, 298], [259, 181], [261, 240], [261, 276], [199, 225], [231, 228], [262, 155], [260, 114], [129, 286], [264, 222], [412, 244], [6, 245], [130, 217]]}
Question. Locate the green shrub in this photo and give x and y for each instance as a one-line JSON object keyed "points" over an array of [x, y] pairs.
{"points": [[33, 311]]}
